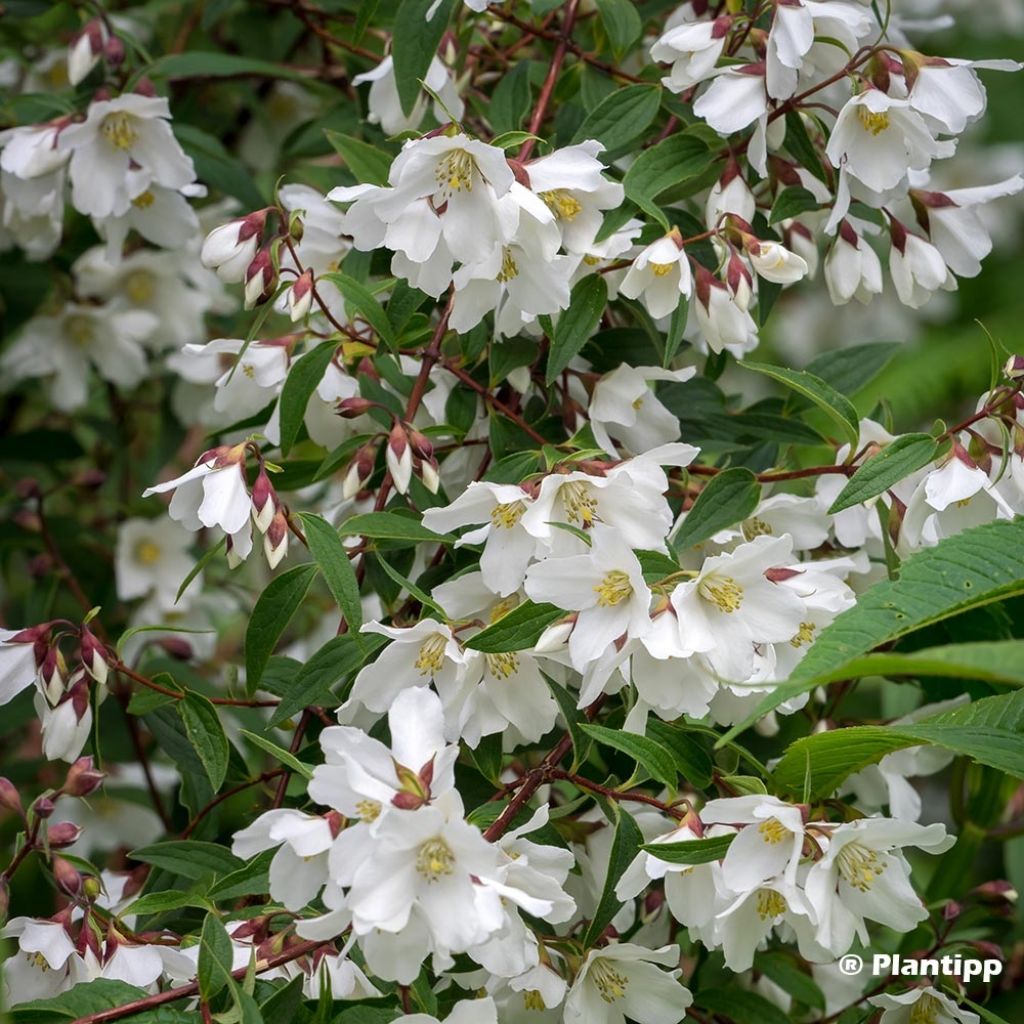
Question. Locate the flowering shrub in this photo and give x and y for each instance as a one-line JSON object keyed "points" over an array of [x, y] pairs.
{"points": [[427, 595]]}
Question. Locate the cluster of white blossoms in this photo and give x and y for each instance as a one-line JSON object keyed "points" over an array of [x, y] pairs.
{"points": [[473, 376]]}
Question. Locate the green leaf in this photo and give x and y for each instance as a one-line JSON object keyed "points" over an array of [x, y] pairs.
{"points": [[990, 731], [984, 1012], [577, 323], [692, 761], [407, 584], [82, 1000], [161, 902], [270, 617], [621, 22], [673, 160], [251, 880], [391, 526], [339, 658], [574, 720], [849, 369], [726, 499], [740, 1006], [361, 301], [206, 734], [369, 164], [218, 168], [414, 43], [971, 569], [790, 202], [624, 848], [510, 101], [329, 553], [216, 958], [283, 756], [650, 755], [189, 858], [822, 394], [519, 630], [217, 64], [299, 385], [693, 851], [896, 461], [783, 970], [799, 144], [621, 117]]}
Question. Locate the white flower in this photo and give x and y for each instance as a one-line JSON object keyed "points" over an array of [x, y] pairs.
{"points": [[128, 132], [878, 138], [623, 405], [362, 778], [231, 247], [571, 183], [732, 605], [45, 963], [212, 493], [161, 215], [386, 108], [152, 557], [721, 323], [299, 868], [949, 93], [693, 50], [917, 269], [85, 50], [67, 723], [606, 586], [621, 980], [955, 226], [508, 548], [250, 381], [774, 262], [922, 1006], [852, 268], [734, 100], [660, 274], [17, 666], [31, 151], [730, 194], [62, 348], [864, 876], [468, 1011]]}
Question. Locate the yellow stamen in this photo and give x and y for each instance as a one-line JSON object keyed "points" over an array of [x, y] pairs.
{"points": [[119, 130], [139, 286], [502, 665], [369, 810], [613, 589], [661, 269], [455, 172], [562, 203], [507, 515], [431, 656], [434, 859], [79, 330], [872, 122], [859, 866], [770, 904], [804, 635], [610, 984], [144, 200], [755, 527], [722, 591], [925, 1010], [533, 1000], [773, 831], [147, 553], [509, 268], [579, 503]]}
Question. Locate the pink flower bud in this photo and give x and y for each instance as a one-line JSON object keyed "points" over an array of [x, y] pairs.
{"points": [[399, 458], [275, 540], [94, 655], [10, 799], [64, 833], [67, 876], [350, 408], [259, 279], [43, 807], [82, 778], [300, 296], [264, 501], [359, 471], [1014, 368]]}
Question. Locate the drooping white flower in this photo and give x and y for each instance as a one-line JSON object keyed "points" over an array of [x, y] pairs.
{"points": [[948, 92], [878, 138], [717, 322], [623, 980], [129, 132], [734, 100], [921, 1006], [17, 666], [852, 268], [693, 50], [916, 267], [623, 406], [385, 108], [660, 275], [606, 586]]}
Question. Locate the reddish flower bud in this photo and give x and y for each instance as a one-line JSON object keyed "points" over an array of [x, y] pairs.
{"points": [[82, 778], [94, 655], [350, 408], [64, 833], [264, 501], [275, 540], [300, 296], [10, 799], [67, 877], [43, 807]]}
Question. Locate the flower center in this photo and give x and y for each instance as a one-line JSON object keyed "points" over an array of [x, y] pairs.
{"points": [[434, 859], [579, 504], [925, 1010], [147, 553], [369, 810], [773, 831], [119, 130], [79, 330], [502, 665], [144, 200], [756, 528], [804, 635], [431, 656], [872, 122], [610, 984], [661, 269], [722, 591], [455, 172], [859, 865], [562, 203], [613, 589], [533, 1000], [506, 515], [139, 286], [770, 904], [503, 607], [509, 268]]}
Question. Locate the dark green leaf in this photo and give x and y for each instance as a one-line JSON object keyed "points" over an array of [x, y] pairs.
{"points": [[624, 848], [299, 385], [329, 553], [270, 617], [726, 499], [188, 858], [510, 101], [621, 22], [693, 851], [391, 526], [893, 463], [414, 43], [790, 202], [361, 302], [519, 630], [670, 162], [216, 955], [369, 164], [650, 755], [577, 323], [621, 116], [206, 734]]}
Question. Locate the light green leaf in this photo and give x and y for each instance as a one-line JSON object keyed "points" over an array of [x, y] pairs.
{"points": [[359, 300], [650, 755], [822, 394], [790, 202], [369, 164], [206, 734], [896, 461], [327, 549], [217, 64], [725, 500], [621, 22], [672, 161], [391, 526], [624, 848], [849, 369], [270, 617], [287, 759], [577, 323], [216, 958], [519, 630], [621, 117], [161, 902]]}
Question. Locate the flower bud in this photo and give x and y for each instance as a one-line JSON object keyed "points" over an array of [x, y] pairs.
{"points": [[43, 807], [94, 655], [429, 475], [67, 876], [359, 471], [85, 50], [1014, 368], [275, 540], [113, 52], [264, 501], [259, 279], [230, 248], [82, 778], [176, 647], [300, 296], [91, 887], [555, 637], [51, 674], [10, 799], [64, 833], [351, 408], [399, 458]]}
